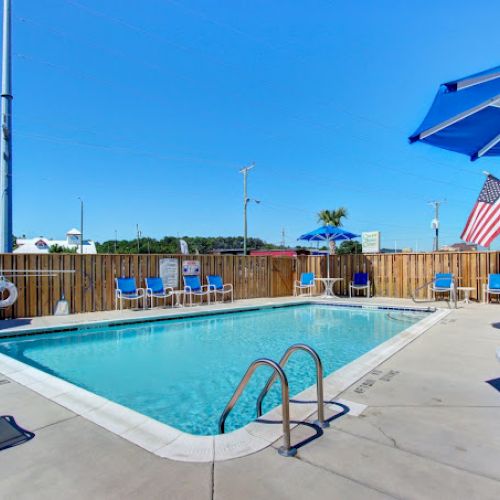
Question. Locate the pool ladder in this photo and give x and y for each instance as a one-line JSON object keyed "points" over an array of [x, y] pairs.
{"points": [[287, 450]]}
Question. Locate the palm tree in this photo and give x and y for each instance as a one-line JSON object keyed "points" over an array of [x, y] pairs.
{"points": [[332, 218]]}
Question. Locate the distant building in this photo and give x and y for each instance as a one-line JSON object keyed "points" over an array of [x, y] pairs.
{"points": [[459, 247], [42, 245], [227, 251]]}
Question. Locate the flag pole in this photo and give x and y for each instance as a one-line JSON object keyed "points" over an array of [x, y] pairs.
{"points": [[6, 136]]}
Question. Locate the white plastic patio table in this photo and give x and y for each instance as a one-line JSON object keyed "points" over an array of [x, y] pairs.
{"points": [[178, 294], [328, 284], [467, 290]]}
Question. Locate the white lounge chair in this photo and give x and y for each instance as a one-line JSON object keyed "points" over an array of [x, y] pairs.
{"points": [[126, 289], [360, 282], [156, 290], [443, 283], [194, 288], [217, 286], [492, 287], [306, 283]]}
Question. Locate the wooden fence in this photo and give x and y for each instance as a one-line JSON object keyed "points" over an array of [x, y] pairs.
{"points": [[91, 286]]}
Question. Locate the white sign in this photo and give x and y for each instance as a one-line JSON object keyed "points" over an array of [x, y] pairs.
{"points": [[184, 247], [191, 267], [370, 242], [169, 272]]}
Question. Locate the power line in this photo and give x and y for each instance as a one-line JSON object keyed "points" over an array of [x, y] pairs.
{"points": [[149, 33], [119, 149], [156, 36]]}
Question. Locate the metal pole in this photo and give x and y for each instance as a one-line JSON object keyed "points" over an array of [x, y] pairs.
{"points": [[436, 204], [245, 205], [116, 240], [244, 171], [436, 216], [81, 226], [6, 136], [138, 239]]}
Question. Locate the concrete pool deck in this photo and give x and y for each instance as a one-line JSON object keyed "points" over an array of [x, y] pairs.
{"points": [[429, 431]]}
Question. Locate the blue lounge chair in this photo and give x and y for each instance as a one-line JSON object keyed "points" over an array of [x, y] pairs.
{"points": [[492, 287], [126, 289], [156, 290], [193, 287], [217, 286], [443, 283], [306, 283], [360, 282]]}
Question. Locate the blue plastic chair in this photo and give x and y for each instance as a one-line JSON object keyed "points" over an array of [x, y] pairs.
{"points": [[194, 288], [443, 283], [217, 286], [156, 290], [306, 283], [492, 287], [126, 289], [359, 282]]}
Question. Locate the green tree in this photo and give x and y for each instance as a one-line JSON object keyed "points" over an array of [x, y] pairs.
{"points": [[350, 246], [170, 244], [60, 249], [332, 218]]}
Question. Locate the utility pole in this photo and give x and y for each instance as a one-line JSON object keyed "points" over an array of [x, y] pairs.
{"points": [[116, 240], [435, 222], [244, 171], [81, 226], [6, 136], [283, 240], [138, 239]]}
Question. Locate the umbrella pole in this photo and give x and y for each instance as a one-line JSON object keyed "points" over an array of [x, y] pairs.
{"points": [[328, 260]]}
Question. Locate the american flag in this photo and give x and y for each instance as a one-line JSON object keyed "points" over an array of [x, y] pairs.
{"points": [[483, 224]]}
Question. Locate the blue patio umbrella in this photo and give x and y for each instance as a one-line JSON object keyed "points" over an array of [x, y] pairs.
{"points": [[465, 116], [327, 234]]}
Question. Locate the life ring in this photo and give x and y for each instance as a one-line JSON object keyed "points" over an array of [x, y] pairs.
{"points": [[12, 297]]}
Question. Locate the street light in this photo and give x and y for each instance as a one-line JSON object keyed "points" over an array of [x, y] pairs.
{"points": [[246, 200]]}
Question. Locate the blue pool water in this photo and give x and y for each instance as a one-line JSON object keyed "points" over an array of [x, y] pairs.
{"points": [[184, 371]]}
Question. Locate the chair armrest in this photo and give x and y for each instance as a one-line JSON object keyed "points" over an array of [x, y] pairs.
{"points": [[228, 285], [187, 289], [212, 287], [141, 290], [149, 291]]}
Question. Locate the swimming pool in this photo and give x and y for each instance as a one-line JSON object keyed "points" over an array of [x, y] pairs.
{"points": [[182, 372]]}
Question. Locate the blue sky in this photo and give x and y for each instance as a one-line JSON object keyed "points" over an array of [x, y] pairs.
{"points": [[149, 113]]}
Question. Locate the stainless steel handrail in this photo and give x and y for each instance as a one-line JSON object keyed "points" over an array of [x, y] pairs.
{"points": [[286, 450], [319, 381], [426, 285]]}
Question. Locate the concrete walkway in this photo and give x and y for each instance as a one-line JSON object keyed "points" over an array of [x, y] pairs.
{"points": [[430, 430]]}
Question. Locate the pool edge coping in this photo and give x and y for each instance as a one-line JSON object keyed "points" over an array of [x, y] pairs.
{"points": [[166, 441]]}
